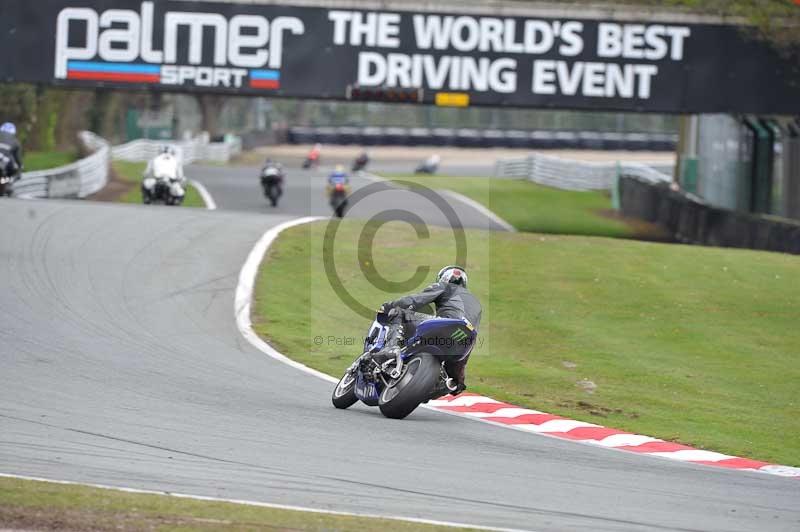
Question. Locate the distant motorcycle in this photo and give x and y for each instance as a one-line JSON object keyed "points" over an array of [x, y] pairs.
{"points": [[398, 386], [429, 166], [167, 190], [313, 157], [7, 176], [338, 199], [6, 183], [360, 163], [163, 179], [272, 183]]}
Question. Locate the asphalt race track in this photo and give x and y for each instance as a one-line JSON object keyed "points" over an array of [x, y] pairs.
{"points": [[237, 188], [121, 364]]}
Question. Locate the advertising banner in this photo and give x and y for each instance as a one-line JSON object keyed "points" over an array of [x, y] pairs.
{"points": [[441, 58]]}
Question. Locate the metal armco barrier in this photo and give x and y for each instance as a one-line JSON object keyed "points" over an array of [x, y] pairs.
{"points": [[87, 176], [577, 175], [75, 180], [196, 149], [691, 220]]}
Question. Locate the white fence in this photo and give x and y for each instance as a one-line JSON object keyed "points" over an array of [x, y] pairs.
{"points": [[86, 176], [75, 180], [577, 175], [196, 149]]}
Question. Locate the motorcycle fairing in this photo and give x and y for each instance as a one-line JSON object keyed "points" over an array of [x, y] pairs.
{"points": [[442, 337], [376, 338], [368, 392]]}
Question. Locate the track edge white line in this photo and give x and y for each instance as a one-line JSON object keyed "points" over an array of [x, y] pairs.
{"points": [[270, 505], [208, 199], [483, 209]]}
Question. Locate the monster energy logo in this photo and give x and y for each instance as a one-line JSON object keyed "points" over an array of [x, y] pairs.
{"points": [[459, 335]]}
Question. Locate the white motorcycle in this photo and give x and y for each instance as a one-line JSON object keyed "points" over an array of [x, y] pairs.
{"points": [[163, 181], [168, 190]]}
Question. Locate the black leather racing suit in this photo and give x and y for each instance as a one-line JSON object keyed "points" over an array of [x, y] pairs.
{"points": [[9, 146], [451, 301]]}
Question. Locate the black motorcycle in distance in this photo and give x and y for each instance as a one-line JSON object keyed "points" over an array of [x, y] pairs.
{"points": [[361, 162], [5, 184], [272, 183], [7, 176]]}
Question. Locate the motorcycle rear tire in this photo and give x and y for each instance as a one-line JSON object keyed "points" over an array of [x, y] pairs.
{"points": [[347, 397], [273, 196], [417, 381]]}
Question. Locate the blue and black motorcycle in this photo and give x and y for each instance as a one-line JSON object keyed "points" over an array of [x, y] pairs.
{"points": [[398, 386]]}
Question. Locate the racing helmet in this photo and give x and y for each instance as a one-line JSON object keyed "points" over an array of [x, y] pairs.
{"points": [[452, 274], [9, 128]]}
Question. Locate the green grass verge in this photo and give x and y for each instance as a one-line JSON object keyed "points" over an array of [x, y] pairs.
{"points": [[533, 208], [43, 160], [132, 173], [34, 505], [690, 344]]}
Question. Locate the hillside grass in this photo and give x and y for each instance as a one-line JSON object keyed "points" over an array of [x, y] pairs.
{"points": [[44, 160], [533, 208], [689, 344]]}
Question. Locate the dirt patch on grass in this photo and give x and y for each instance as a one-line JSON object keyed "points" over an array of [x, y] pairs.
{"points": [[22, 519], [114, 189], [642, 230], [597, 410]]}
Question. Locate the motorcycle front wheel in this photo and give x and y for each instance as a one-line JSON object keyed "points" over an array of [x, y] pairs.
{"points": [[415, 384], [344, 395]]}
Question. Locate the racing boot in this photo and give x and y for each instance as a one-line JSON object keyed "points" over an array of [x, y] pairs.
{"points": [[458, 376]]}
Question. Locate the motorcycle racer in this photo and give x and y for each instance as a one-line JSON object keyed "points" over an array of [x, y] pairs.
{"points": [[338, 176], [452, 299], [10, 150], [166, 167]]}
